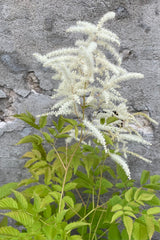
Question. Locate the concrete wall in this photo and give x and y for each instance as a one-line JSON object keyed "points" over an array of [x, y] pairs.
{"points": [[28, 26]]}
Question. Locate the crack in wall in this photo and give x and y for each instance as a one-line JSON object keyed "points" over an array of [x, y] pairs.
{"points": [[7, 98]]}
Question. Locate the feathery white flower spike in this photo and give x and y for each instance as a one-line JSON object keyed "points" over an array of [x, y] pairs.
{"points": [[118, 159]]}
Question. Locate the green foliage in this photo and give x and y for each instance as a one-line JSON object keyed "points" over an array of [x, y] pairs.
{"points": [[69, 201]]}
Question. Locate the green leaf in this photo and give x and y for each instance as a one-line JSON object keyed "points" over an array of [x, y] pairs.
{"points": [[56, 195], [66, 129], [74, 225], [121, 173], [71, 121], [102, 121], [127, 208], [21, 216], [31, 139], [152, 186], [75, 237], [39, 164], [60, 123], [42, 121], [150, 225], [139, 231], [137, 193], [47, 212], [73, 211], [62, 135], [116, 208], [48, 176], [124, 234], [108, 139], [22, 202], [60, 216], [111, 119], [37, 202], [46, 201], [154, 202], [70, 186], [51, 155], [129, 195], [120, 185], [129, 213], [9, 231], [69, 201], [155, 179], [28, 118], [30, 162], [117, 215], [114, 233], [145, 197], [144, 177], [128, 223], [4, 222], [154, 210], [8, 203], [48, 137], [52, 131], [26, 182], [6, 189], [55, 124]]}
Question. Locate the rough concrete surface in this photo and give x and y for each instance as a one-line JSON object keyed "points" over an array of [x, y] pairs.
{"points": [[29, 26]]}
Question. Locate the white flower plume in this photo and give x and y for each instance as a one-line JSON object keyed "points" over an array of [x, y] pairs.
{"points": [[89, 82]]}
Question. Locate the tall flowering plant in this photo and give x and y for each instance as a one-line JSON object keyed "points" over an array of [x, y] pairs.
{"points": [[72, 194], [88, 89]]}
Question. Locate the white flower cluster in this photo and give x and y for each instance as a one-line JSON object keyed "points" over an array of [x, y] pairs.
{"points": [[88, 83]]}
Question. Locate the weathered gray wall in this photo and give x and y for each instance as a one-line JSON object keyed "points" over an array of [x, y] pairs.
{"points": [[28, 26]]}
